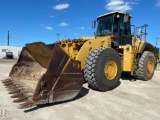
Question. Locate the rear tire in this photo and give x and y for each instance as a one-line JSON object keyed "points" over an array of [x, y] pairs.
{"points": [[146, 66], [102, 69]]}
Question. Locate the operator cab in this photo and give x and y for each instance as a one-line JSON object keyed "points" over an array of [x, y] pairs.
{"points": [[116, 24]]}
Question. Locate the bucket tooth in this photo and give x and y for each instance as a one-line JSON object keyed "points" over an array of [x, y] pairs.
{"points": [[14, 91], [17, 95], [11, 87], [6, 80], [26, 105], [8, 83], [21, 99]]}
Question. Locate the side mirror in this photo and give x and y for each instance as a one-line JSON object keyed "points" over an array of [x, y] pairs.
{"points": [[94, 23], [126, 18]]}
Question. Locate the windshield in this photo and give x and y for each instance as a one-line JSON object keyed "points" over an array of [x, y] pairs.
{"points": [[104, 26]]}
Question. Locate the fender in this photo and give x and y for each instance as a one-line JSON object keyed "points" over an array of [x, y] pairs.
{"points": [[90, 45], [146, 47]]}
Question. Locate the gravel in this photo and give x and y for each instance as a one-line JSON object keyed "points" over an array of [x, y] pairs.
{"points": [[131, 100]]}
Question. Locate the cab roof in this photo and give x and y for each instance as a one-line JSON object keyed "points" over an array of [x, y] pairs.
{"points": [[113, 13]]}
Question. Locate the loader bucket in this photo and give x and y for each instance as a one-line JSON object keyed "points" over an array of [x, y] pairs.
{"points": [[44, 74]]}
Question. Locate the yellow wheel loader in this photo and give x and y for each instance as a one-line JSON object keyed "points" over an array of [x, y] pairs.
{"points": [[56, 72]]}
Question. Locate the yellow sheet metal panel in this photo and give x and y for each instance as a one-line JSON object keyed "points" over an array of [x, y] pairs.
{"points": [[91, 44], [139, 44], [128, 57], [71, 48]]}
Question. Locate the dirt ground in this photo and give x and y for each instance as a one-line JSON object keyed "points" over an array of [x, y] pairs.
{"points": [[136, 100]]}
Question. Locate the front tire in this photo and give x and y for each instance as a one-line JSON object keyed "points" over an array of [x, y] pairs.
{"points": [[146, 66], [102, 69]]}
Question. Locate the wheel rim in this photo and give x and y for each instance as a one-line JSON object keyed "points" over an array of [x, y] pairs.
{"points": [[150, 66], [110, 69]]}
